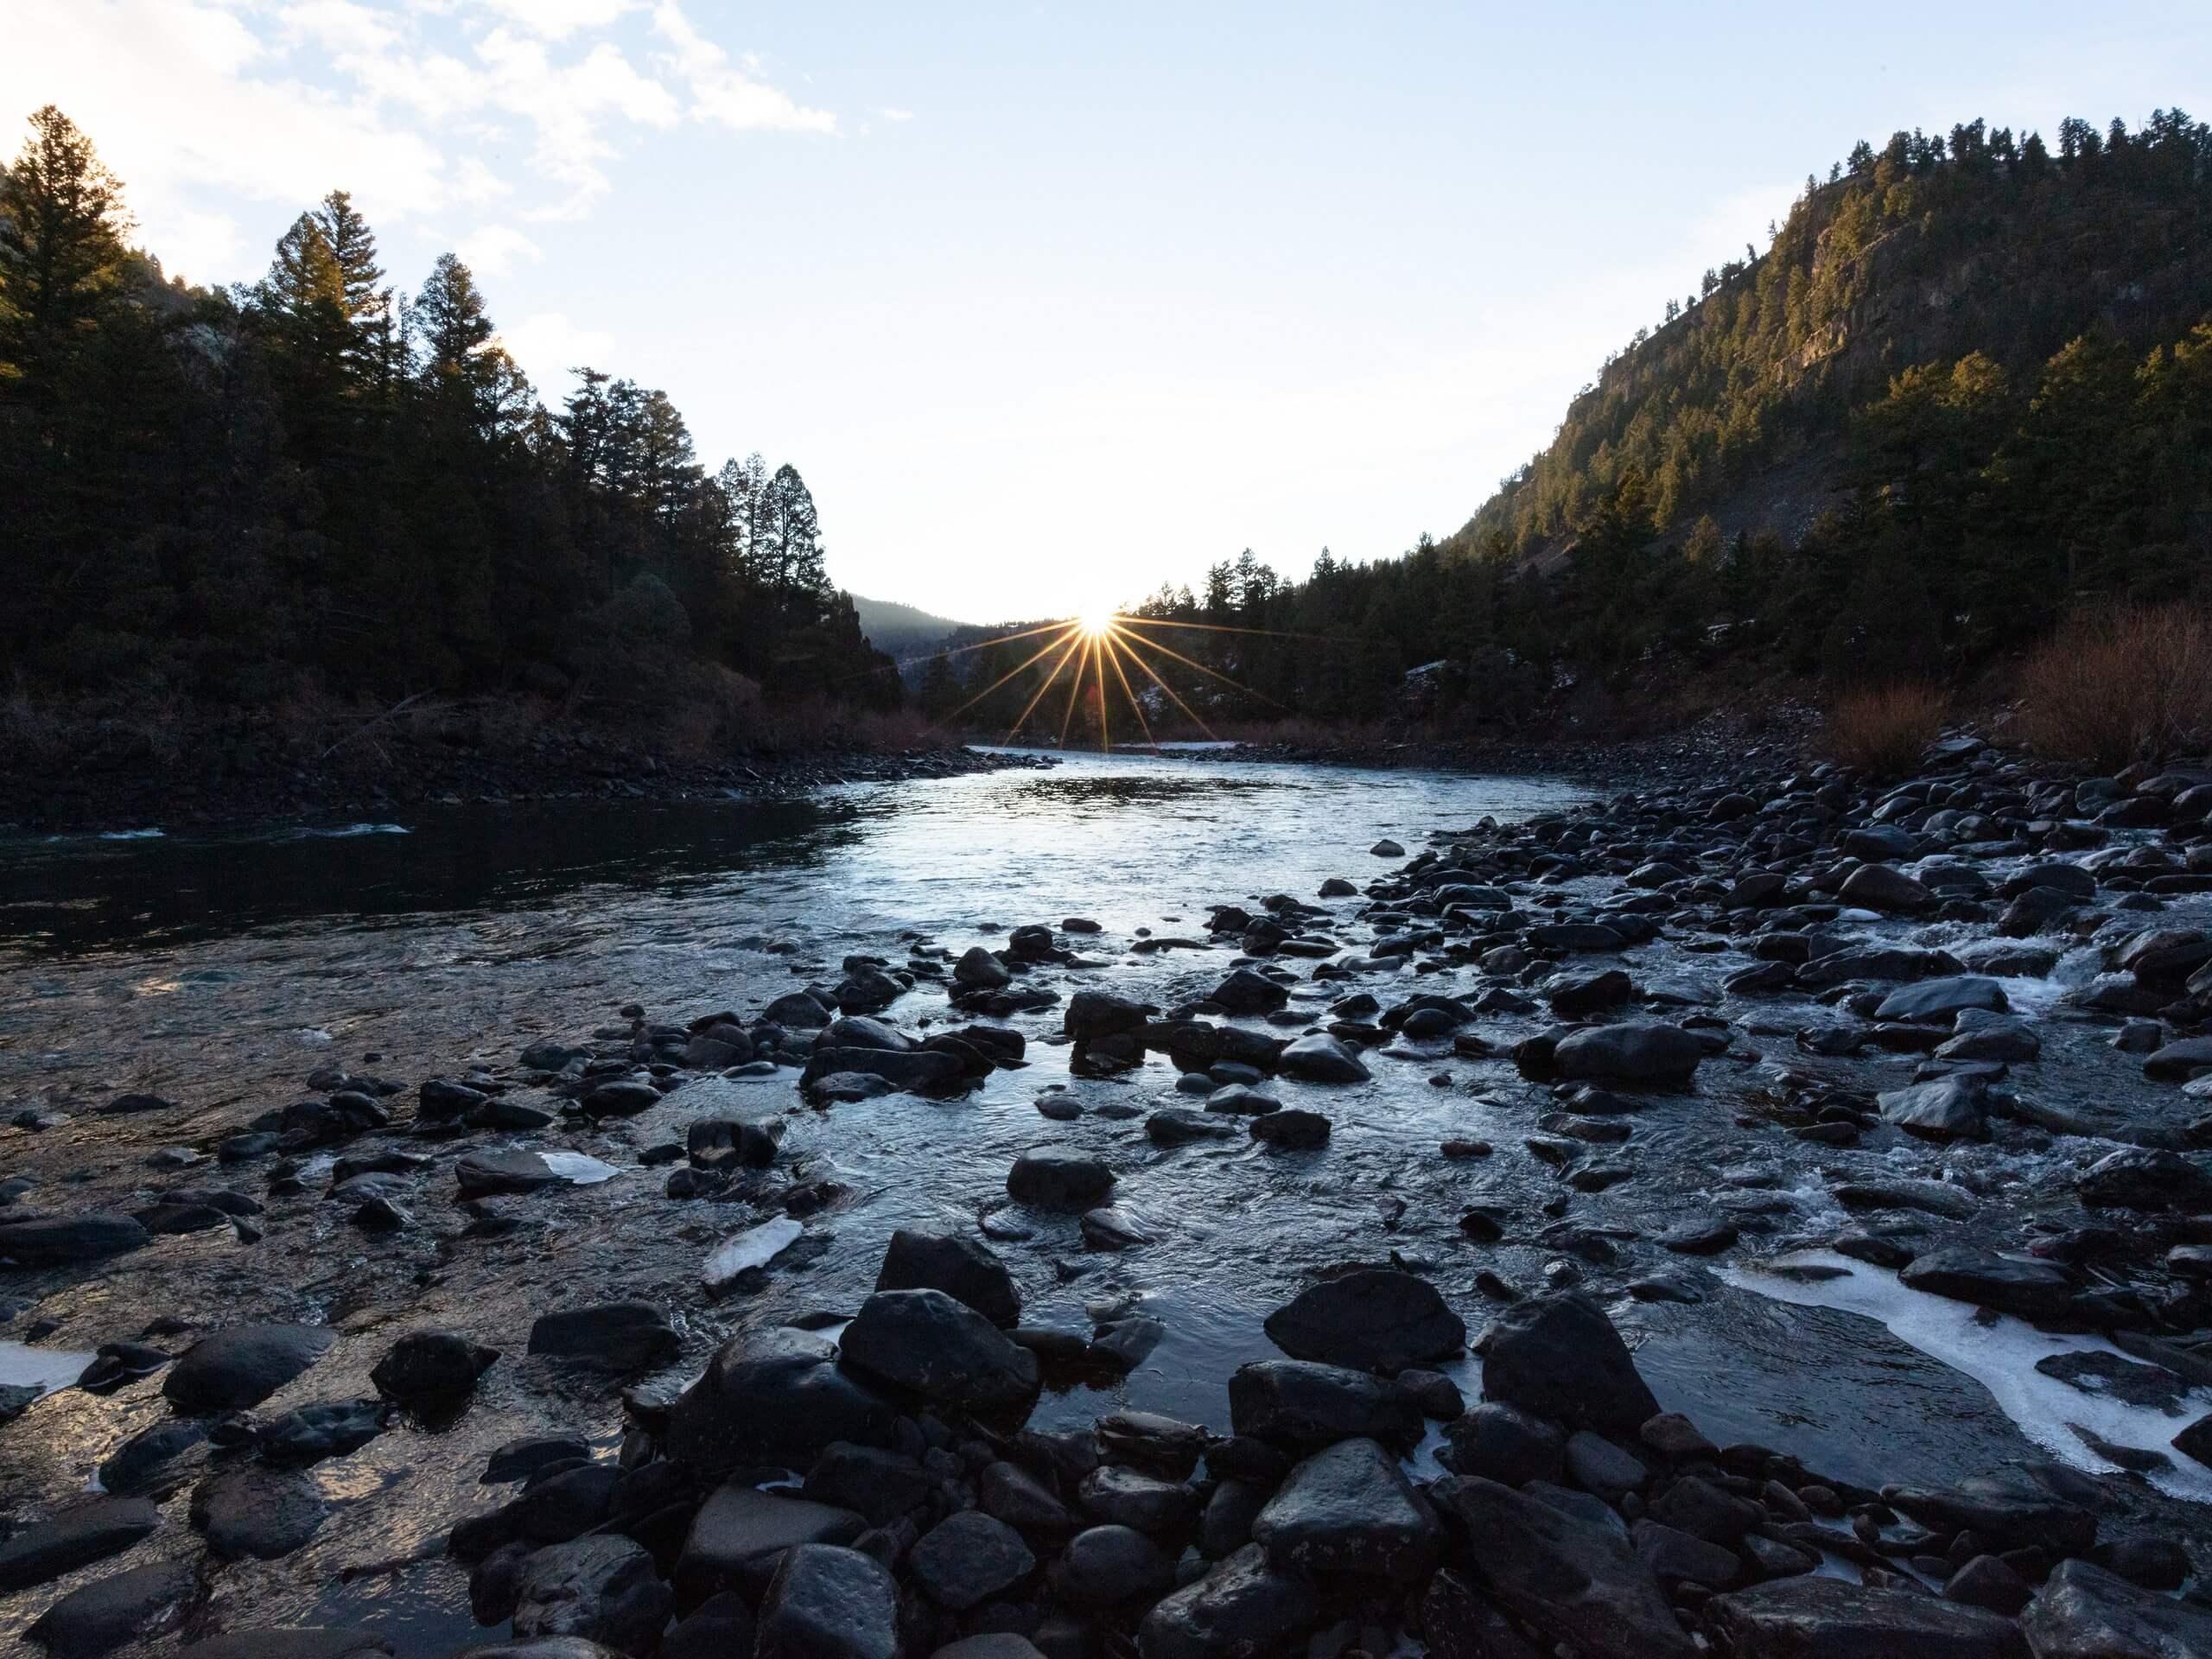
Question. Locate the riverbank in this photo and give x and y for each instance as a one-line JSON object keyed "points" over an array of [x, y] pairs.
{"points": [[204, 771], [1163, 1206]]}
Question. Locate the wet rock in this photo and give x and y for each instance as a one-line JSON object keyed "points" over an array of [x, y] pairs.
{"points": [[2195, 1440], [1987, 1583], [520, 1459], [978, 970], [1299, 1403], [1560, 1356], [1595, 1464], [1503, 1443], [776, 1397], [1980, 1036], [258, 1512], [2175, 1063], [1292, 1129], [242, 1365], [1348, 1508], [962, 1268], [1059, 1181], [1784, 1619], [1877, 886], [1177, 1126], [1940, 1000], [143, 1459], [1629, 1054], [1566, 1579], [488, 1174], [720, 1627], [1947, 1108], [312, 1433], [1321, 1059], [2084, 1613], [603, 1588], [1376, 1319], [121, 1608], [2139, 1178], [73, 1538], [1458, 1621], [968, 1558], [1110, 1227], [1246, 992], [929, 1344], [1092, 1014], [1674, 1556], [829, 1603], [739, 1533], [1576, 994], [878, 1485], [1112, 1567], [1244, 1609], [66, 1241], [1002, 1644], [1987, 1279], [2011, 1509], [1129, 1498], [615, 1337], [431, 1367]]}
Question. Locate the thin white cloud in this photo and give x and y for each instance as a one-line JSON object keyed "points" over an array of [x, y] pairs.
{"points": [[550, 345], [728, 92], [558, 19], [497, 249], [415, 106], [890, 114]]}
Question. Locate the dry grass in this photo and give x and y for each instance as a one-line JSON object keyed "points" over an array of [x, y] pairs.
{"points": [[1885, 730], [2118, 686]]}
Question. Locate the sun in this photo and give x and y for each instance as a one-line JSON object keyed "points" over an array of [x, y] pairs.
{"points": [[1096, 623]]}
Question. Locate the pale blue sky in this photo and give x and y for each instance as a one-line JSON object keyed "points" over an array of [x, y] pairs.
{"points": [[1050, 302]]}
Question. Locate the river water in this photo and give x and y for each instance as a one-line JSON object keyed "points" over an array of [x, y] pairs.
{"points": [[219, 974]]}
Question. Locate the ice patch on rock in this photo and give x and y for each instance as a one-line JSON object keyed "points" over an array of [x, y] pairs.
{"points": [[754, 1248], [2000, 1355], [578, 1168], [23, 1366]]}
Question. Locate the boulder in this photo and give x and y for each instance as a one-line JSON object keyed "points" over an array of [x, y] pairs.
{"points": [[74, 1537], [2140, 1179], [242, 1365], [1059, 1181], [1376, 1319], [1558, 1357], [1946, 1109], [829, 1603], [1877, 886], [108, 1612], [968, 1558], [927, 1342], [962, 1268], [1298, 1404], [431, 1367], [602, 1588], [1568, 1579], [1244, 1609], [2030, 1289], [1246, 992], [1349, 1509], [1938, 1000], [1321, 1059], [256, 1511], [739, 1534], [1112, 1567], [617, 1337], [1101, 1013], [2084, 1613], [1629, 1054], [66, 1241], [775, 1397], [1832, 1619]]}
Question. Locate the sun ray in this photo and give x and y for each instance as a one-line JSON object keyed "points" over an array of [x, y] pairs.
{"points": [[1202, 669], [1100, 643], [1191, 714], [1114, 655], [1075, 688], [1074, 644], [985, 645], [1004, 677], [1222, 627]]}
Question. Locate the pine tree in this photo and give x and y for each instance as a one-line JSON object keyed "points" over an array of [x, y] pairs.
{"points": [[62, 224]]}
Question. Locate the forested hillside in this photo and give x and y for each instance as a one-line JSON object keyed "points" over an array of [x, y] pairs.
{"points": [[1967, 389], [315, 483]]}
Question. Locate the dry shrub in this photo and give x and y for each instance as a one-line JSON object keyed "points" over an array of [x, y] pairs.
{"points": [[1886, 729], [2120, 685]]}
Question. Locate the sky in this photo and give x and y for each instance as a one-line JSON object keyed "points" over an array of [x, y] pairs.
{"points": [[1052, 303]]}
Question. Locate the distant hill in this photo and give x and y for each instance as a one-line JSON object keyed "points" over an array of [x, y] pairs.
{"points": [[900, 629]]}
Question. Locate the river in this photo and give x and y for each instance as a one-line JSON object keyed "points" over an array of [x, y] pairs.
{"points": [[219, 974]]}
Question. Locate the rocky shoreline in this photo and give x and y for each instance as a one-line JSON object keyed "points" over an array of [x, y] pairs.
{"points": [[1768, 1022]]}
